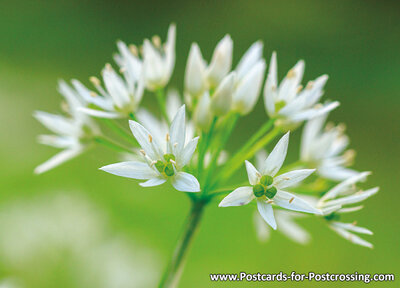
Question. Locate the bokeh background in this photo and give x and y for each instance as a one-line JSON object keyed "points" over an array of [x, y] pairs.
{"points": [[53, 224]]}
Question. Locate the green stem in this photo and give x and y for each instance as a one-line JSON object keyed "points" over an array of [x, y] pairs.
{"points": [[204, 145], [175, 268], [161, 102], [232, 119], [120, 131], [232, 166], [111, 144]]}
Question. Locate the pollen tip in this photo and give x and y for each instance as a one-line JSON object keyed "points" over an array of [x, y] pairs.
{"points": [[95, 81], [93, 94], [291, 200], [143, 152], [150, 138], [133, 49], [175, 144], [354, 223], [167, 137], [156, 41], [108, 66], [291, 73]]}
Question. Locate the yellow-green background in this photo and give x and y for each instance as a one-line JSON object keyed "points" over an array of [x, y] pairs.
{"points": [[355, 42]]}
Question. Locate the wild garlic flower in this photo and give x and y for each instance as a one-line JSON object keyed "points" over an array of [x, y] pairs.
{"points": [[344, 194], [73, 133], [215, 89], [159, 60], [266, 187], [161, 163], [325, 149], [120, 97], [287, 226], [288, 101]]}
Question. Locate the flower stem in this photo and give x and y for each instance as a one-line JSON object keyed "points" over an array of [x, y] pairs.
{"points": [[175, 268], [111, 144], [120, 131], [161, 102]]}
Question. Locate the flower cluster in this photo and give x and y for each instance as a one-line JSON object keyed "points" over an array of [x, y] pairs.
{"points": [[184, 142]]}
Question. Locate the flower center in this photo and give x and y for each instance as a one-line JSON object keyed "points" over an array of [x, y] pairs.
{"points": [[166, 167], [264, 187]]}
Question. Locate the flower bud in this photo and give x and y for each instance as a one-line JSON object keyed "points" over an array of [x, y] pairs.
{"points": [[195, 81], [248, 89], [221, 101], [202, 116], [221, 61]]}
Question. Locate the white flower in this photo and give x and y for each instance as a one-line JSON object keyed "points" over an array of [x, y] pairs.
{"points": [[345, 229], [288, 101], [73, 133], [346, 193], [287, 225], [250, 74], [159, 60], [161, 163], [195, 74], [121, 96], [221, 101], [267, 189], [323, 149], [202, 116], [221, 61]]}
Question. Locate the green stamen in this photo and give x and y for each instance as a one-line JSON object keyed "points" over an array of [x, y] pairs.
{"points": [[169, 157], [169, 169], [258, 190], [266, 180], [271, 192], [159, 166]]}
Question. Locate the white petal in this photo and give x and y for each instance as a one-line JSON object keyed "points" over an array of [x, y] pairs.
{"points": [[336, 173], [291, 178], [58, 141], [249, 59], [260, 159], [350, 209], [267, 213], [313, 112], [57, 123], [177, 130], [292, 202], [116, 87], [358, 197], [239, 197], [58, 159], [184, 157], [170, 51], [202, 116], [185, 182], [221, 101], [343, 186], [248, 89], [288, 87], [99, 113], [195, 81], [221, 61], [173, 103], [262, 229], [271, 85], [252, 173], [153, 182], [331, 209], [353, 228], [131, 169], [291, 229], [143, 137], [352, 237], [276, 157]]}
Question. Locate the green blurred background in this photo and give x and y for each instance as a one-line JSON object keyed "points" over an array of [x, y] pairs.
{"points": [[355, 42]]}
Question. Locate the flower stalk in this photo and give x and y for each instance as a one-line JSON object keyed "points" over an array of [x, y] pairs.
{"points": [[176, 265]]}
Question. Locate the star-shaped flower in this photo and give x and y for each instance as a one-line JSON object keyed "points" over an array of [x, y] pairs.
{"points": [[266, 187], [161, 162]]}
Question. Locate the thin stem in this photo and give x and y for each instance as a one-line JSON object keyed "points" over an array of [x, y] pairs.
{"points": [[232, 119], [161, 102], [204, 145], [174, 270], [111, 144], [120, 131], [232, 166]]}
